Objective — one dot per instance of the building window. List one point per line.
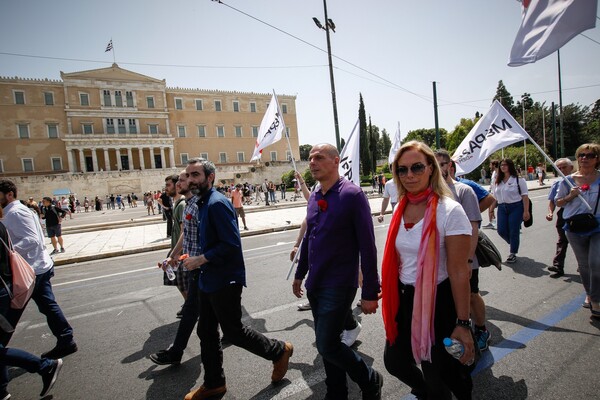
(181, 130)
(110, 125)
(184, 158)
(199, 105)
(23, 130)
(132, 126)
(201, 130)
(255, 131)
(252, 106)
(150, 101)
(84, 99)
(88, 129)
(217, 105)
(1, 166)
(284, 108)
(52, 131)
(19, 97)
(273, 156)
(236, 106)
(121, 125)
(49, 98)
(178, 104)
(107, 99)
(27, 164)
(287, 131)
(56, 163)
(153, 129)
(240, 156)
(204, 156)
(220, 131)
(288, 155)
(238, 131)
(118, 98)
(222, 158)
(129, 99)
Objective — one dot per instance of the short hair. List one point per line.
(207, 166)
(564, 160)
(328, 148)
(495, 163)
(173, 178)
(442, 153)
(48, 199)
(7, 186)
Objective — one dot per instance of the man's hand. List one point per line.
(297, 288)
(369, 306)
(549, 216)
(293, 253)
(192, 263)
(380, 218)
(463, 335)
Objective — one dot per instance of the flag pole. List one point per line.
(560, 108)
(113, 51)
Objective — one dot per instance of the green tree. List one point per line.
(592, 125)
(460, 131)
(385, 144)
(373, 139)
(427, 136)
(365, 152)
(305, 151)
(504, 97)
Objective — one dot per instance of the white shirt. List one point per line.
(391, 191)
(508, 192)
(451, 221)
(27, 236)
(493, 182)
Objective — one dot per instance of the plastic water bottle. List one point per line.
(455, 348)
(169, 271)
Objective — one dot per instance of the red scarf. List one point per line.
(422, 326)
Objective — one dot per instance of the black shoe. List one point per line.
(49, 378)
(557, 274)
(164, 357)
(554, 268)
(4, 395)
(60, 351)
(374, 392)
(180, 313)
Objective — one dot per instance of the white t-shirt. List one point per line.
(391, 191)
(508, 192)
(451, 221)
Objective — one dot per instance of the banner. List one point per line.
(547, 25)
(350, 157)
(395, 146)
(270, 128)
(495, 130)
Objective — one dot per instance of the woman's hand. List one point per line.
(463, 335)
(526, 215)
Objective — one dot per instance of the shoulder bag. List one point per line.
(23, 278)
(486, 252)
(529, 222)
(585, 222)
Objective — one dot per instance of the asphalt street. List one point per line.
(543, 344)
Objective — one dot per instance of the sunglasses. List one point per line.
(416, 169)
(587, 155)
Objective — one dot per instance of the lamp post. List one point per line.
(330, 25)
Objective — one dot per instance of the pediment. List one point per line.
(112, 73)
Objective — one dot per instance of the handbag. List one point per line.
(486, 252)
(529, 222)
(23, 278)
(585, 222)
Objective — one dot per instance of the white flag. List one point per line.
(495, 130)
(395, 145)
(109, 46)
(270, 128)
(547, 25)
(350, 157)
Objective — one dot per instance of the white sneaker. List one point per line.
(349, 337)
(304, 306)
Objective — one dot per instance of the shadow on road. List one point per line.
(172, 382)
(487, 386)
(160, 338)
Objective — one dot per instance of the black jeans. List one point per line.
(168, 214)
(563, 243)
(189, 316)
(224, 308)
(442, 376)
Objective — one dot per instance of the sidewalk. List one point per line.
(124, 235)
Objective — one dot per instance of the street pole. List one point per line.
(435, 114)
(333, 100)
(554, 131)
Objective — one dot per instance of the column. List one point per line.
(106, 160)
(171, 157)
(141, 151)
(94, 159)
(162, 157)
(81, 160)
(119, 165)
(130, 156)
(71, 161)
(152, 161)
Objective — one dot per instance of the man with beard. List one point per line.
(221, 279)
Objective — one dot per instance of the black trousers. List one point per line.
(444, 375)
(563, 243)
(224, 308)
(189, 316)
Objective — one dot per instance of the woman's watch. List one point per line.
(465, 323)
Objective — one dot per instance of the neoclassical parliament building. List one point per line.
(108, 120)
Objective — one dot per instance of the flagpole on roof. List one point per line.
(114, 52)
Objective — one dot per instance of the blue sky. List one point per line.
(463, 45)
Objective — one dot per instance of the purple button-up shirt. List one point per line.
(334, 239)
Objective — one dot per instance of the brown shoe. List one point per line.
(280, 366)
(204, 393)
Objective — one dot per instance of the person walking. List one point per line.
(236, 198)
(53, 217)
(220, 282)
(425, 288)
(339, 232)
(265, 189)
(166, 201)
(585, 243)
(390, 195)
(513, 206)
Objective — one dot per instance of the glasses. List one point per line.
(587, 155)
(416, 169)
(503, 165)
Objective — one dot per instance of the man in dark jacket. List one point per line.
(53, 216)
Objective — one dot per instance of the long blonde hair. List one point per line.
(436, 180)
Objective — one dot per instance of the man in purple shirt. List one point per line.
(339, 230)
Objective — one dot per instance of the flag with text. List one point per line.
(350, 157)
(270, 128)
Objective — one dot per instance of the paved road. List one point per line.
(543, 344)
